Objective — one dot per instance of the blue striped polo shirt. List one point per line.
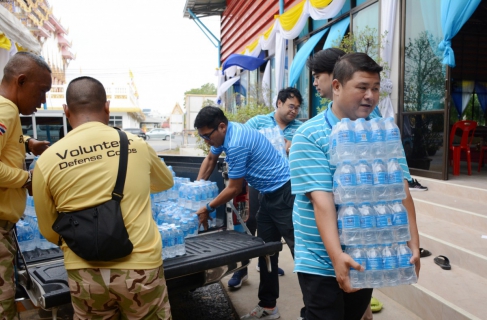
(311, 171)
(269, 121)
(251, 156)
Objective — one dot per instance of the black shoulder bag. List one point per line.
(99, 233)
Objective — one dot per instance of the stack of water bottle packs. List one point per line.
(174, 211)
(28, 233)
(368, 186)
(275, 137)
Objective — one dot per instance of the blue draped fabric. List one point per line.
(456, 95)
(454, 14)
(302, 55)
(337, 32)
(243, 61)
(481, 90)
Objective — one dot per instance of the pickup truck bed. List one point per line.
(208, 258)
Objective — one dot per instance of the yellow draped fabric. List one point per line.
(289, 18)
(5, 42)
(268, 32)
(20, 48)
(252, 46)
(320, 3)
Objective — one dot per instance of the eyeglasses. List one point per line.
(294, 108)
(207, 136)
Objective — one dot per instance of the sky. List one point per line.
(168, 54)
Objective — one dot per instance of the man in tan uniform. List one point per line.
(79, 172)
(23, 89)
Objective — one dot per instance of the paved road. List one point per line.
(173, 143)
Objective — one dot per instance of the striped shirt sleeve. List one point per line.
(310, 169)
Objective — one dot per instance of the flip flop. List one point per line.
(443, 262)
(424, 253)
(375, 305)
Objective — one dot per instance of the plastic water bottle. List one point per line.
(389, 259)
(189, 197)
(407, 273)
(385, 231)
(171, 244)
(378, 138)
(345, 182)
(196, 222)
(196, 198)
(380, 190)
(373, 272)
(357, 278)
(33, 163)
(395, 179)
(350, 218)
(368, 223)
(333, 145)
(215, 190)
(365, 181)
(400, 221)
(203, 196)
(25, 236)
(363, 143)
(178, 241)
(185, 227)
(393, 138)
(345, 140)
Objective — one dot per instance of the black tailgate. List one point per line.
(217, 249)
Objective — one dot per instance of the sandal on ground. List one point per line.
(375, 305)
(424, 253)
(443, 262)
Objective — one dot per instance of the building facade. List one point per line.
(435, 71)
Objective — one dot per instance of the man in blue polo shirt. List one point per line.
(288, 104)
(320, 261)
(252, 157)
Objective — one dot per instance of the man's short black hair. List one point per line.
(324, 61)
(353, 62)
(289, 93)
(210, 117)
(20, 64)
(86, 93)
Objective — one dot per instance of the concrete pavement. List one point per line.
(291, 299)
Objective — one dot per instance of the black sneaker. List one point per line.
(416, 186)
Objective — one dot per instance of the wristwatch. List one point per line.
(210, 209)
(27, 149)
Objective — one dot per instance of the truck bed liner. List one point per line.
(205, 252)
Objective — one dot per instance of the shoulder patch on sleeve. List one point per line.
(3, 129)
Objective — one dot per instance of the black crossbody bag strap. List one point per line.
(117, 193)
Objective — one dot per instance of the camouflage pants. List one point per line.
(8, 308)
(119, 294)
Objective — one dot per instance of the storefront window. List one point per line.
(424, 78)
(346, 8)
(316, 24)
(305, 30)
(366, 30)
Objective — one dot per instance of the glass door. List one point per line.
(424, 102)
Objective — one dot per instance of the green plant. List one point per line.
(367, 41)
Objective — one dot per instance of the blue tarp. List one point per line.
(243, 61)
(302, 55)
(336, 33)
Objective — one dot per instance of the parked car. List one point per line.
(136, 131)
(159, 133)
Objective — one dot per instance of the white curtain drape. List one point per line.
(5, 55)
(266, 84)
(388, 20)
(327, 12)
(224, 87)
(16, 31)
(280, 61)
